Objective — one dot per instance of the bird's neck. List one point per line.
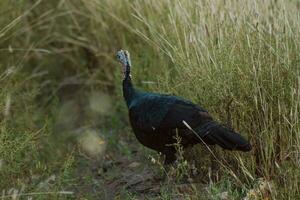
(128, 90)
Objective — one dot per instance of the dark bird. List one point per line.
(156, 119)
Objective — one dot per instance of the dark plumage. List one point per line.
(156, 118)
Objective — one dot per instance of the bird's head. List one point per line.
(123, 57)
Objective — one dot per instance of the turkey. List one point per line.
(156, 119)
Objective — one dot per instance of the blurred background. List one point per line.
(64, 131)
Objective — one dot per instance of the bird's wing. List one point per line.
(184, 111)
(155, 111)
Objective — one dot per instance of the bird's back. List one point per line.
(152, 111)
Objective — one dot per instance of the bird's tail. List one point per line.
(214, 133)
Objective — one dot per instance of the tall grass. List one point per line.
(221, 51)
(235, 58)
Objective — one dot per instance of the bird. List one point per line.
(157, 119)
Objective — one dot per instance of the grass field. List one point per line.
(64, 131)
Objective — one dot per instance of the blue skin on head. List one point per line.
(123, 57)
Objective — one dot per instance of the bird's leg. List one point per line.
(214, 166)
(170, 158)
(169, 164)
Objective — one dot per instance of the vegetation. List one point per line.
(61, 98)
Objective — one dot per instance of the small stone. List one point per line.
(223, 195)
(92, 144)
(134, 164)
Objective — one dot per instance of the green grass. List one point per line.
(58, 56)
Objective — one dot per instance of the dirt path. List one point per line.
(129, 178)
(118, 178)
